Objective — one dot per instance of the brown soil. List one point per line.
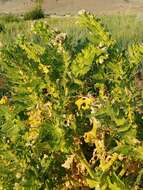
(61, 7)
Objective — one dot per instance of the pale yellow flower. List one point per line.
(3, 100)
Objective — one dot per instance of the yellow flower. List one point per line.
(89, 137)
(84, 103)
(32, 134)
(29, 89)
(44, 68)
(35, 118)
(3, 100)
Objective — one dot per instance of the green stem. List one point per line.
(86, 164)
(139, 177)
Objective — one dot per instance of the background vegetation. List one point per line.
(124, 28)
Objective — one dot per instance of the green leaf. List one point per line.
(83, 61)
(113, 186)
(92, 183)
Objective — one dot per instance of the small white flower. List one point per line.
(28, 144)
(16, 186)
(60, 38)
(23, 179)
(101, 44)
(68, 162)
(18, 175)
(81, 12)
(45, 156)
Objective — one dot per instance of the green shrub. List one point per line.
(2, 27)
(36, 13)
(72, 121)
(9, 18)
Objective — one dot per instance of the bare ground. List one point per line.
(61, 7)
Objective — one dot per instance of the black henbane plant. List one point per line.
(71, 121)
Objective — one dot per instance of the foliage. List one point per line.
(126, 28)
(6, 18)
(71, 121)
(36, 13)
(2, 28)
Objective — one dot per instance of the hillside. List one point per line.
(72, 6)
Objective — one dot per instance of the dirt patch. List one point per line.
(73, 6)
(15, 6)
